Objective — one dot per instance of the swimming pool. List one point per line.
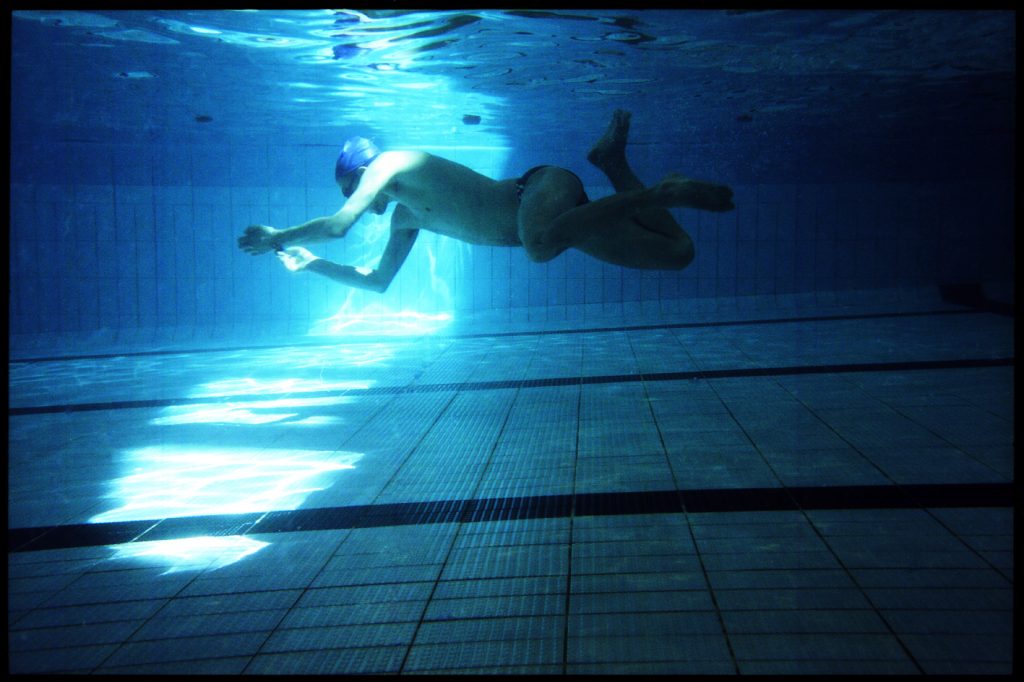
(795, 455)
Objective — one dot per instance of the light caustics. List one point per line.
(379, 60)
(250, 387)
(379, 319)
(369, 68)
(419, 300)
(169, 481)
(172, 481)
(251, 408)
(303, 386)
(178, 480)
(191, 554)
(250, 412)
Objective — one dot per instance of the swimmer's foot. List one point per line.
(611, 148)
(677, 191)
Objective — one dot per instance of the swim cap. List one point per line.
(356, 152)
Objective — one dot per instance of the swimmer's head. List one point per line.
(356, 153)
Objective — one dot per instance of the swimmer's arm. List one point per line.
(374, 180)
(400, 243)
(375, 280)
(298, 259)
(346, 274)
(316, 230)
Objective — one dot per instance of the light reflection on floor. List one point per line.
(167, 481)
(248, 386)
(179, 480)
(381, 321)
(173, 481)
(250, 412)
(190, 554)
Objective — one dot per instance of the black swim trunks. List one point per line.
(521, 184)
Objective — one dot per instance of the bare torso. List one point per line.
(453, 200)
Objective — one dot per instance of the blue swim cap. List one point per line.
(356, 152)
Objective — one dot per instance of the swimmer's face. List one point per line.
(350, 182)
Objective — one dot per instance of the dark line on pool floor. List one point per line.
(709, 375)
(478, 335)
(516, 508)
(728, 323)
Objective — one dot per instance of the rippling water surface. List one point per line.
(521, 73)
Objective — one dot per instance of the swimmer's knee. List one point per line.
(539, 251)
(542, 243)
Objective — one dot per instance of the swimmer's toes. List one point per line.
(719, 198)
(612, 145)
(724, 199)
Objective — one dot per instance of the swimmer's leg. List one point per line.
(630, 228)
(609, 155)
(612, 228)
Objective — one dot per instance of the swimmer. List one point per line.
(545, 211)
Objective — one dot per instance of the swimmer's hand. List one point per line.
(296, 258)
(258, 239)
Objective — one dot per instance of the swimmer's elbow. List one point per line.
(380, 284)
(338, 224)
(371, 281)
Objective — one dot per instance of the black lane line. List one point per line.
(512, 508)
(482, 335)
(724, 323)
(964, 363)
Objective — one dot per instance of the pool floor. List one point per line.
(813, 490)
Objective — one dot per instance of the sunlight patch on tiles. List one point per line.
(250, 386)
(190, 554)
(254, 412)
(188, 480)
(381, 321)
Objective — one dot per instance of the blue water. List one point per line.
(794, 456)
(144, 142)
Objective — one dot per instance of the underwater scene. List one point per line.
(511, 341)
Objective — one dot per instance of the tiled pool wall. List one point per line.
(128, 237)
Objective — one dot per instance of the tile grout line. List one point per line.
(573, 510)
(120, 646)
(922, 505)
(347, 535)
(459, 523)
(863, 592)
(712, 500)
(707, 375)
(689, 521)
(572, 515)
(359, 340)
(821, 537)
(383, 487)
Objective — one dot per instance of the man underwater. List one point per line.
(546, 211)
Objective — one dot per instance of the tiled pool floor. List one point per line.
(827, 493)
